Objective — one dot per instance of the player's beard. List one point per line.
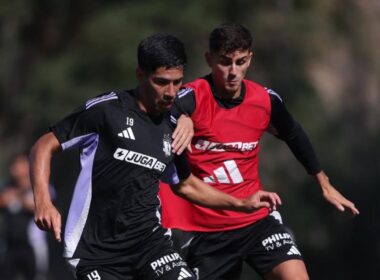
(231, 89)
(164, 105)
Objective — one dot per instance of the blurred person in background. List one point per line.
(25, 246)
(230, 114)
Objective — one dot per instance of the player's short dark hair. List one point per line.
(160, 50)
(229, 38)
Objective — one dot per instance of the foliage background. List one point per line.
(322, 57)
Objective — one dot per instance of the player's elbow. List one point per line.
(180, 189)
(47, 143)
(183, 189)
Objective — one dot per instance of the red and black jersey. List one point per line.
(225, 155)
(225, 148)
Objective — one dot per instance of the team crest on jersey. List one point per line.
(167, 145)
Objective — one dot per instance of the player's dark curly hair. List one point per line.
(160, 50)
(229, 38)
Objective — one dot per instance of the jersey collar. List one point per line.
(226, 103)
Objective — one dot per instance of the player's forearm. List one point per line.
(40, 161)
(198, 192)
(301, 147)
(322, 179)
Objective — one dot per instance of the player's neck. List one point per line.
(223, 93)
(143, 101)
(220, 90)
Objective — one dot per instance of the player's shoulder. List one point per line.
(196, 85)
(101, 100)
(254, 86)
(96, 104)
(274, 96)
(185, 91)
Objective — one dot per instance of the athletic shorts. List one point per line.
(220, 255)
(153, 260)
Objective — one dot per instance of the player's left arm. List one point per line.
(286, 128)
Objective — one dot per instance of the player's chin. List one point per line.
(232, 90)
(165, 107)
(232, 86)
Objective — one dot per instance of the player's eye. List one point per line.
(161, 82)
(225, 62)
(177, 82)
(241, 61)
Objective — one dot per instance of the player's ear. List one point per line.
(139, 73)
(250, 56)
(208, 57)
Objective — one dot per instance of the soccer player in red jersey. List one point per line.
(230, 114)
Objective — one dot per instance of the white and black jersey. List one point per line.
(123, 154)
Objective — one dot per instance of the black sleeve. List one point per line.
(177, 170)
(86, 121)
(182, 166)
(75, 125)
(290, 131)
(184, 103)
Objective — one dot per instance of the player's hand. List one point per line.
(48, 218)
(338, 200)
(261, 199)
(333, 196)
(183, 134)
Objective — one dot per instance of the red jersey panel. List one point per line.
(224, 154)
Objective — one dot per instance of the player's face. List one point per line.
(228, 71)
(160, 88)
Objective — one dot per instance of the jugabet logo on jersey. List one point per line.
(139, 159)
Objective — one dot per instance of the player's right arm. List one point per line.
(200, 193)
(181, 111)
(78, 129)
(46, 215)
(191, 188)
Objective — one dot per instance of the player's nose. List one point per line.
(171, 90)
(233, 69)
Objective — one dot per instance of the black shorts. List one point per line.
(153, 260)
(220, 255)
